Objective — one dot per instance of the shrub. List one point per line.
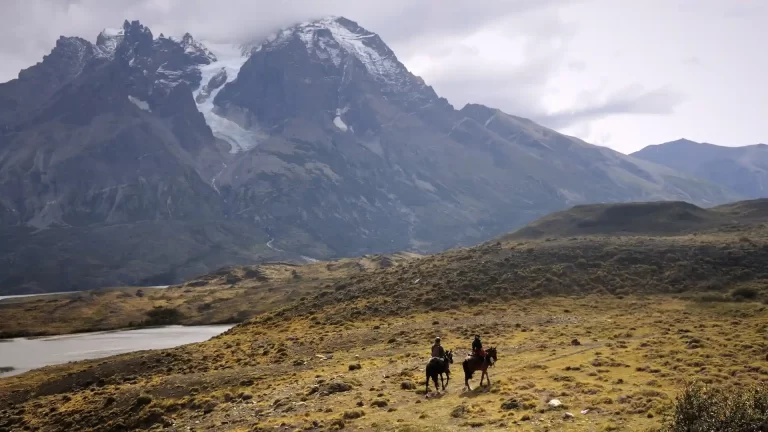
(163, 316)
(712, 298)
(748, 293)
(351, 415)
(700, 408)
(381, 403)
(143, 400)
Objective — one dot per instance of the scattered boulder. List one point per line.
(355, 366)
(567, 416)
(575, 342)
(554, 403)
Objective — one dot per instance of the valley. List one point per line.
(310, 194)
(612, 326)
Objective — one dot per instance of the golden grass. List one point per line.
(231, 295)
(632, 357)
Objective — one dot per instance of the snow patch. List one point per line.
(231, 59)
(269, 245)
(143, 105)
(213, 180)
(457, 124)
(425, 186)
(107, 42)
(360, 43)
(340, 124)
(195, 48)
(112, 32)
(487, 122)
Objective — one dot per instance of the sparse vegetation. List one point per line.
(702, 408)
(609, 338)
(209, 299)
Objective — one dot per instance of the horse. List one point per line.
(473, 363)
(439, 366)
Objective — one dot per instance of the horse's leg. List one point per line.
(426, 391)
(441, 380)
(488, 378)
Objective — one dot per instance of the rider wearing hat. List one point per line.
(437, 349)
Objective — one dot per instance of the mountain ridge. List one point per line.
(318, 138)
(743, 169)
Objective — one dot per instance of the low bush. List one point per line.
(747, 293)
(700, 408)
(163, 316)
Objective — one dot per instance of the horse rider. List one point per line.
(437, 349)
(477, 347)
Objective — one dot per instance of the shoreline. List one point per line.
(29, 296)
(36, 353)
(12, 336)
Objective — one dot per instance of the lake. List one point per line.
(24, 354)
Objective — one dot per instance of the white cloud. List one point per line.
(625, 74)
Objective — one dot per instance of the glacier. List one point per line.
(231, 58)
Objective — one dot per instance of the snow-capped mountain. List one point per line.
(142, 159)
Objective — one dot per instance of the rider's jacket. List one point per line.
(438, 351)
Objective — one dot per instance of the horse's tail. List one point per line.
(468, 371)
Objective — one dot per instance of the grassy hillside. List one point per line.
(619, 361)
(229, 295)
(649, 218)
(611, 326)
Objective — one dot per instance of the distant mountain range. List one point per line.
(147, 160)
(741, 169)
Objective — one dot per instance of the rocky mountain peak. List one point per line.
(319, 141)
(108, 40)
(196, 50)
(338, 41)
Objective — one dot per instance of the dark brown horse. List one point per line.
(474, 363)
(439, 366)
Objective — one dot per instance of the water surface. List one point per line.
(24, 354)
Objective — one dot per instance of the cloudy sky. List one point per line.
(620, 73)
